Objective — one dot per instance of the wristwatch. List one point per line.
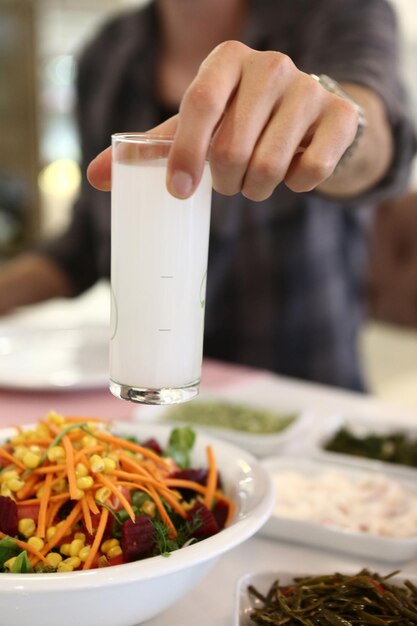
(333, 86)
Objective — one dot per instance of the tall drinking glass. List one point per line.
(159, 247)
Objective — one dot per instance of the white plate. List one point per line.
(285, 441)
(262, 581)
(362, 427)
(53, 359)
(331, 537)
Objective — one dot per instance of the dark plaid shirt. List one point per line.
(285, 275)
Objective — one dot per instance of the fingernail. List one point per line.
(181, 184)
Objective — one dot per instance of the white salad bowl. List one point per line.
(129, 594)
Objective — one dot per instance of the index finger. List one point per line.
(201, 110)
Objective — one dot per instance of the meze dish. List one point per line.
(336, 599)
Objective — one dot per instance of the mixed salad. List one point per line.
(75, 496)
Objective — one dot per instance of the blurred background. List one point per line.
(40, 176)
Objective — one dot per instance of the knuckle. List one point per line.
(231, 47)
(317, 168)
(279, 65)
(226, 155)
(201, 98)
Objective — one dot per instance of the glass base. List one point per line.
(166, 395)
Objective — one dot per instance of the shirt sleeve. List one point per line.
(362, 45)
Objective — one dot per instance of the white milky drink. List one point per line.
(159, 247)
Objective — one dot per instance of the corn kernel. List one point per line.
(58, 526)
(115, 551)
(80, 536)
(64, 567)
(35, 449)
(56, 453)
(39, 492)
(54, 559)
(108, 544)
(26, 527)
(75, 547)
(50, 532)
(109, 465)
(15, 484)
(42, 430)
(74, 561)
(8, 475)
(81, 470)
(88, 441)
(31, 460)
(60, 486)
(5, 491)
(20, 451)
(36, 542)
(149, 508)
(96, 463)
(102, 494)
(115, 456)
(54, 418)
(86, 482)
(65, 549)
(9, 563)
(18, 439)
(79, 494)
(83, 553)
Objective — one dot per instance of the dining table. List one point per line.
(213, 600)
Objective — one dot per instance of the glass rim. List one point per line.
(143, 138)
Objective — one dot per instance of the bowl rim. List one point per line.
(147, 569)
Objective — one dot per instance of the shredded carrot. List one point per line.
(12, 459)
(26, 546)
(49, 469)
(68, 523)
(134, 447)
(56, 498)
(211, 478)
(28, 487)
(92, 503)
(108, 483)
(53, 510)
(72, 479)
(87, 515)
(97, 539)
(41, 529)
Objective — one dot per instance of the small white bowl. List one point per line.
(126, 595)
(330, 537)
(287, 440)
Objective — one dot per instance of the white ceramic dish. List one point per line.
(129, 594)
(54, 359)
(263, 580)
(361, 427)
(260, 445)
(331, 537)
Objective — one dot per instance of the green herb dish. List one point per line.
(260, 428)
(231, 416)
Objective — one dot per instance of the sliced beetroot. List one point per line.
(138, 538)
(8, 516)
(202, 521)
(196, 475)
(220, 512)
(152, 444)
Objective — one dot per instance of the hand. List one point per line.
(259, 119)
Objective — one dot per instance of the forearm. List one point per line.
(29, 279)
(371, 158)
